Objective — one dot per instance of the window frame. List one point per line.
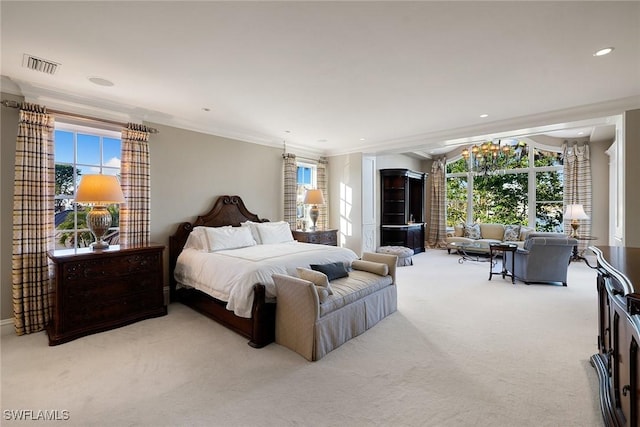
(532, 170)
(302, 216)
(75, 209)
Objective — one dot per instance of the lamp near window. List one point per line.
(99, 191)
(314, 198)
(574, 213)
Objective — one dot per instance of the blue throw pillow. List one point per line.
(334, 270)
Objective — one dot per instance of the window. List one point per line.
(307, 179)
(82, 150)
(517, 193)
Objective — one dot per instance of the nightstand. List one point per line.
(98, 290)
(320, 237)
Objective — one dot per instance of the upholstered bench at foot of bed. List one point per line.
(359, 301)
(404, 254)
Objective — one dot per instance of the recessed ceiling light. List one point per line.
(485, 115)
(100, 81)
(322, 141)
(602, 52)
(361, 139)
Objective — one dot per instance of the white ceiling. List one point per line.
(333, 77)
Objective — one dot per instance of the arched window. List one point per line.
(525, 187)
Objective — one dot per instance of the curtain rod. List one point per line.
(15, 104)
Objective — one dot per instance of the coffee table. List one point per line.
(463, 249)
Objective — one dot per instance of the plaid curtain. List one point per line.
(321, 169)
(290, 189)
(437, 202)
(33, 220)
(134, 170)
(577, 186)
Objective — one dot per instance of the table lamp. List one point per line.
(99, 191)
(574, 213)
(314, 198)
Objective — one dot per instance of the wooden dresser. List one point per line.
(618, 359)
(97, 290)
(320, 237)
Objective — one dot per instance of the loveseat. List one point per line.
(312, 322)
(487, 233)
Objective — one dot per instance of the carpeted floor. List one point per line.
(460, 351)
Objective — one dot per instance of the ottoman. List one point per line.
(404, 254)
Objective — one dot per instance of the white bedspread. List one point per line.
(229, 275)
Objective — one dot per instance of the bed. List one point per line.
(234, 286)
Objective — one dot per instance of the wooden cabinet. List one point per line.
(97, 290)
(320, 237)
(618, 359)
(402, 208)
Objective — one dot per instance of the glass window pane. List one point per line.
(89, 149)
(547, 158)
(501, 199)
(63, 142)
(549, 195)
(549, 217)
(459, 165)
(456, 201)
(111, 152)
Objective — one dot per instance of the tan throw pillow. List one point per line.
(317, 278)
(511, 233)
(372, 267)
(472, 231)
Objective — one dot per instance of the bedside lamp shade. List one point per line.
(314, 198)
(574, 213)
(99, 191)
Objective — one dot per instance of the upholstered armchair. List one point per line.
(544, 258)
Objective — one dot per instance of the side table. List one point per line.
(494, 249)
(575, 255)
(319, 237)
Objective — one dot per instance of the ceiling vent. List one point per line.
(39, 64)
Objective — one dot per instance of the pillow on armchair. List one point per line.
(472, 231)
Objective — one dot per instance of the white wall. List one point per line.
(345, 209)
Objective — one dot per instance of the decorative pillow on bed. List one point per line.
(472, 231)
(317, 278)
(221, 238)
(333, 270)
(274, 232)
(511, 233)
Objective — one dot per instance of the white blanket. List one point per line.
(229, 275)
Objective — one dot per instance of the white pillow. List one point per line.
(254, 230)
(197, 240)
(274, 232)
(221, 238)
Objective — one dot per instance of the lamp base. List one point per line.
(574, 226)
(314, 213)
(98, 222)
(99, 245)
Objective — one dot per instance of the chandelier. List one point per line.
(489, 157)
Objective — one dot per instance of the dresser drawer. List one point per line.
(80, 272)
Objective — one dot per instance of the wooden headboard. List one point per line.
(227, 210)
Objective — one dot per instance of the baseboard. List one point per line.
(6, 322)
